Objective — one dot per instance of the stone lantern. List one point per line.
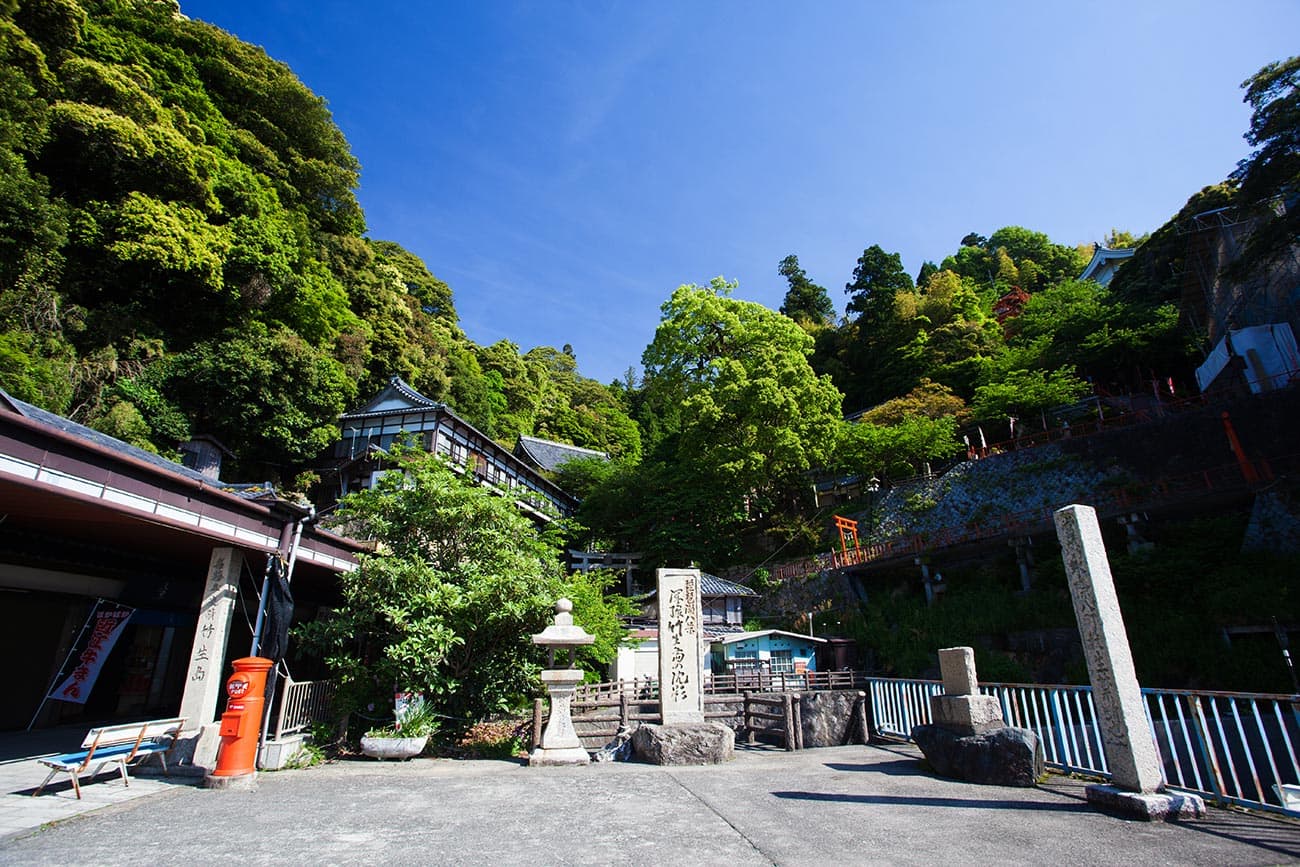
(560, 744)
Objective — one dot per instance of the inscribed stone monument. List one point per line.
(681, 693)
(1126, 739)
(207, 656)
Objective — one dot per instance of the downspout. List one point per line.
(290, 557)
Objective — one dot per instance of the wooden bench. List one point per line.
(117, 745)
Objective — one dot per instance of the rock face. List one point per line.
(829, 718)
(1003, 757)
(692, 744)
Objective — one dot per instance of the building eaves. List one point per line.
(104, 441)
(549, 455)
(712, 585)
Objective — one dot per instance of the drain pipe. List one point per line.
(291, 557)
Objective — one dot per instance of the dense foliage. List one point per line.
(181, 252)
(448, 604)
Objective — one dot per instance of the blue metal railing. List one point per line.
(1231, 747)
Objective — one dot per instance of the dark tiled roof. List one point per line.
(712, 585)
(549, 455)
(402, 387)
(105, 441)
(398, 386)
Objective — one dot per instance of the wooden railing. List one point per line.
(777, 681)
(647, 688)
(772, 714)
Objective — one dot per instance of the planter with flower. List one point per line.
(406, 737)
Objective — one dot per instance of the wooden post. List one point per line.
(797, 704)
(622, 710)
(537, 723)
(787, 709)
(750, 733)
(862, 718)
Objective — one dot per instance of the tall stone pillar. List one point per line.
(681, 668)
(204, 678)
(1126, 738)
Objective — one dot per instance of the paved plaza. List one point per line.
(842, 805)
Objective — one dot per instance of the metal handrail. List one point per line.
(303, 703)
(1231, 747)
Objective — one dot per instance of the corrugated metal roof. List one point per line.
(744, 636)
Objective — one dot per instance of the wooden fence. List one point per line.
(598, 720)
(647, 688)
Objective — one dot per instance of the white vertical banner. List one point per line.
(104, 628)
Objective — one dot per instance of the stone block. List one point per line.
(194, 754)
(275, 755)
(830, 717)
(1147, 806)
(957, 666)
(692, 744)
(1005, 757)
(966, 714)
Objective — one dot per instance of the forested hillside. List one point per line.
(182, 252)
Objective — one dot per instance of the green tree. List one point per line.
(805, 301)
(1271, 174)
(449, 602)
(897, 450)
(266, 393)
(877, 279)
(753, 417)
(1025, 393)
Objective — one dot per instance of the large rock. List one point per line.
(829, 717)
(1004, 757)
(689, 744)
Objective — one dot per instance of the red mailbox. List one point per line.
(242, 722)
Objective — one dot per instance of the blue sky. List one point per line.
(564, 166)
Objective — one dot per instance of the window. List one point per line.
(783, 662)
(744, 660)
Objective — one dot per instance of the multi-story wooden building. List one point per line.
(399, 413)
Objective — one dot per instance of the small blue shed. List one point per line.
(769, 651)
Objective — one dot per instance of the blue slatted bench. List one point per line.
(119, 745)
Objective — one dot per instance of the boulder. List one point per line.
(829, 717)
(688, 744)
(1007, 756)
(617, 750)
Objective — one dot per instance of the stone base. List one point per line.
(194, 754)
(966, 714)
(541, 757)
(276, 754)
(241, 783)
(1005, 757)
(1149, 807)
(697, 744)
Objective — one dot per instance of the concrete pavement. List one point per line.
(842, 805)
(21, 773)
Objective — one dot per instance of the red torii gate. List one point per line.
(848, 534)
